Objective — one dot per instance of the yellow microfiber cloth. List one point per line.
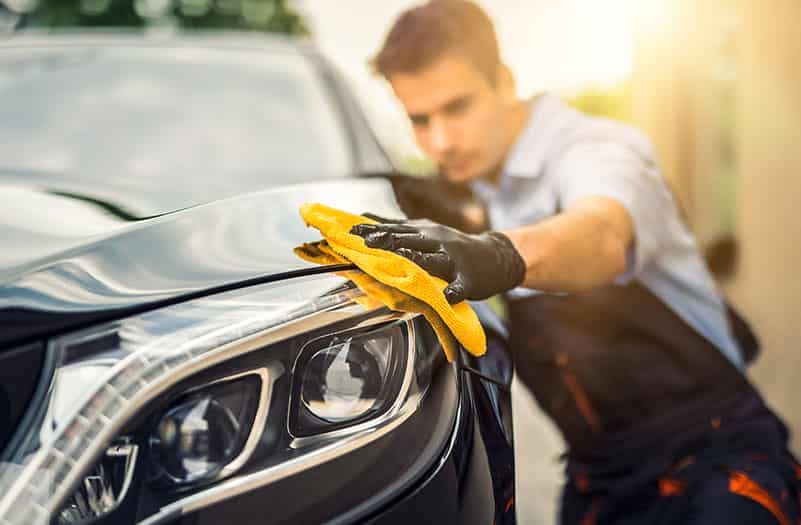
(378, 294)
(407, 287)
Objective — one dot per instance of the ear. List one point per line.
(505, 85)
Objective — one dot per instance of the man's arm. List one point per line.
(611, 197)
(584, 247)
(579, 249)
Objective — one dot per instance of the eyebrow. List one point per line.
(457, 103)
(451, 105)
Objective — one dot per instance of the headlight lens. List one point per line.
(342, 382)
(346, 379)
(277, 372)
(203, 432)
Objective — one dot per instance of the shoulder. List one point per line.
(579, 135)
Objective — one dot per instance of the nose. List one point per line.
(440, 137)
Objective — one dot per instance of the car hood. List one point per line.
(66, 258)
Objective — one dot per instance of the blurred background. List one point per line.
(715, 84)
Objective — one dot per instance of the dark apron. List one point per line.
(633, 387)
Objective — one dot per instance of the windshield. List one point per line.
(183, 125)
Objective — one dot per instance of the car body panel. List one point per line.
(176, 254)
(82, 252)
(474, 480)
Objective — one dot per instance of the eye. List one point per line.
(419, 121)
(458, 106)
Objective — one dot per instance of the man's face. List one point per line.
(457, 116)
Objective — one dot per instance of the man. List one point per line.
(616, 324)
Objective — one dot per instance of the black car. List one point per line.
(164, 356)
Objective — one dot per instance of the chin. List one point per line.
(460, 175)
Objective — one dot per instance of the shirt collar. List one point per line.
(528, 154)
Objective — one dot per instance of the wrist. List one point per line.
(510, 259)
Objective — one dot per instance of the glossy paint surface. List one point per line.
(474, 481)
(191, 250)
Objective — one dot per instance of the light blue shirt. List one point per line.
(562, 156)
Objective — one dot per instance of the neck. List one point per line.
(514, 122)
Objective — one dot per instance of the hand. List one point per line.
(439, 200)
(475, 266)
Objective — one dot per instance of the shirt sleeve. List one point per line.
(612, 169)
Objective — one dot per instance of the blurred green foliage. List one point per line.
(416, 164)
(612, 102)
(262, 15)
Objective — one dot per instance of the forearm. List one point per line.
(579, 249)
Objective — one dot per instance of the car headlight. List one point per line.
(175, 400)
(203, 432)
(347, 379)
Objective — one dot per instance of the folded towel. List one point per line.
(407, 287)
(378, 294)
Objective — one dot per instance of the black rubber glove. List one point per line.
(475, 266)
(435, 198)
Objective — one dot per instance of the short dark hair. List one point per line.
(425, 33)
